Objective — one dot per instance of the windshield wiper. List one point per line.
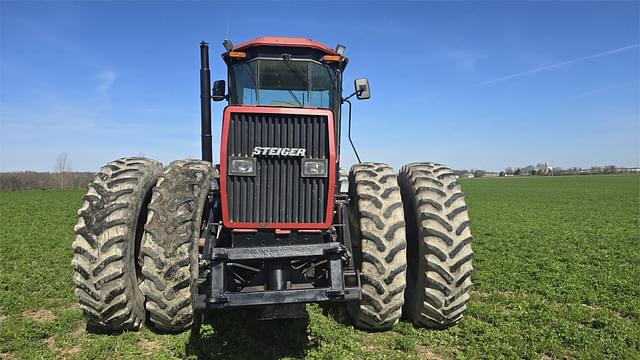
(287, 60)
(295, 98)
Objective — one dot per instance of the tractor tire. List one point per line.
(170, 243)
(377, 223)
(108, 233)
(439, 243)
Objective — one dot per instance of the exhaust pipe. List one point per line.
(205, 103)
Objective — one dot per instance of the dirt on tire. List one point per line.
(377, 220)
(439, 245)
(108, 232)
(170, 243)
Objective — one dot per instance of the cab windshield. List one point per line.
(288, 83)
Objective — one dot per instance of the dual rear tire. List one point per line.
(412, 245)
(136, 238)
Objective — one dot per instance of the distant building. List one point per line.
(628, 170)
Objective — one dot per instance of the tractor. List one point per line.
(277, 222)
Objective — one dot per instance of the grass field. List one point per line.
(557, 274)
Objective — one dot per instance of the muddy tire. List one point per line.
(439, 245)
(377, 219)
(110, 222)
(170, 243)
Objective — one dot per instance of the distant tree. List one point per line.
(517, 172)
(478, 173)
(533, 171)
(609, 169)
(539, 166)
(502, 173)
(63, 165)
(508, 170)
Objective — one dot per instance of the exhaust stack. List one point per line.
(205, 103)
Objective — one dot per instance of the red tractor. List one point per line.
(274, 223)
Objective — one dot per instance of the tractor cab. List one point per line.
(285, 72)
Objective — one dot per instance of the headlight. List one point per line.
(314, 168)
(242, 167)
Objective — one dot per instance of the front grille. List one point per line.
(277, 193)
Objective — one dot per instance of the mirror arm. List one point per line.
(346, 100)
(352, 95)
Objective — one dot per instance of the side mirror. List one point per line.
(219, 88)
(362, 89)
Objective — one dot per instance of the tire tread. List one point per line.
(105, 284)
(380, 224)
(441, 272)
(169, 243)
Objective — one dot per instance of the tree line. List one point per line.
(546, 170)
(32, 180)
(541, 169)
(62, 178)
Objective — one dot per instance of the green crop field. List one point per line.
(557, 274)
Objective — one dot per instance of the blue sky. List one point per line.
(469, 84)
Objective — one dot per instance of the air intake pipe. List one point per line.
(205, 103)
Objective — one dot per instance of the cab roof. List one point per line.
(282, 41)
